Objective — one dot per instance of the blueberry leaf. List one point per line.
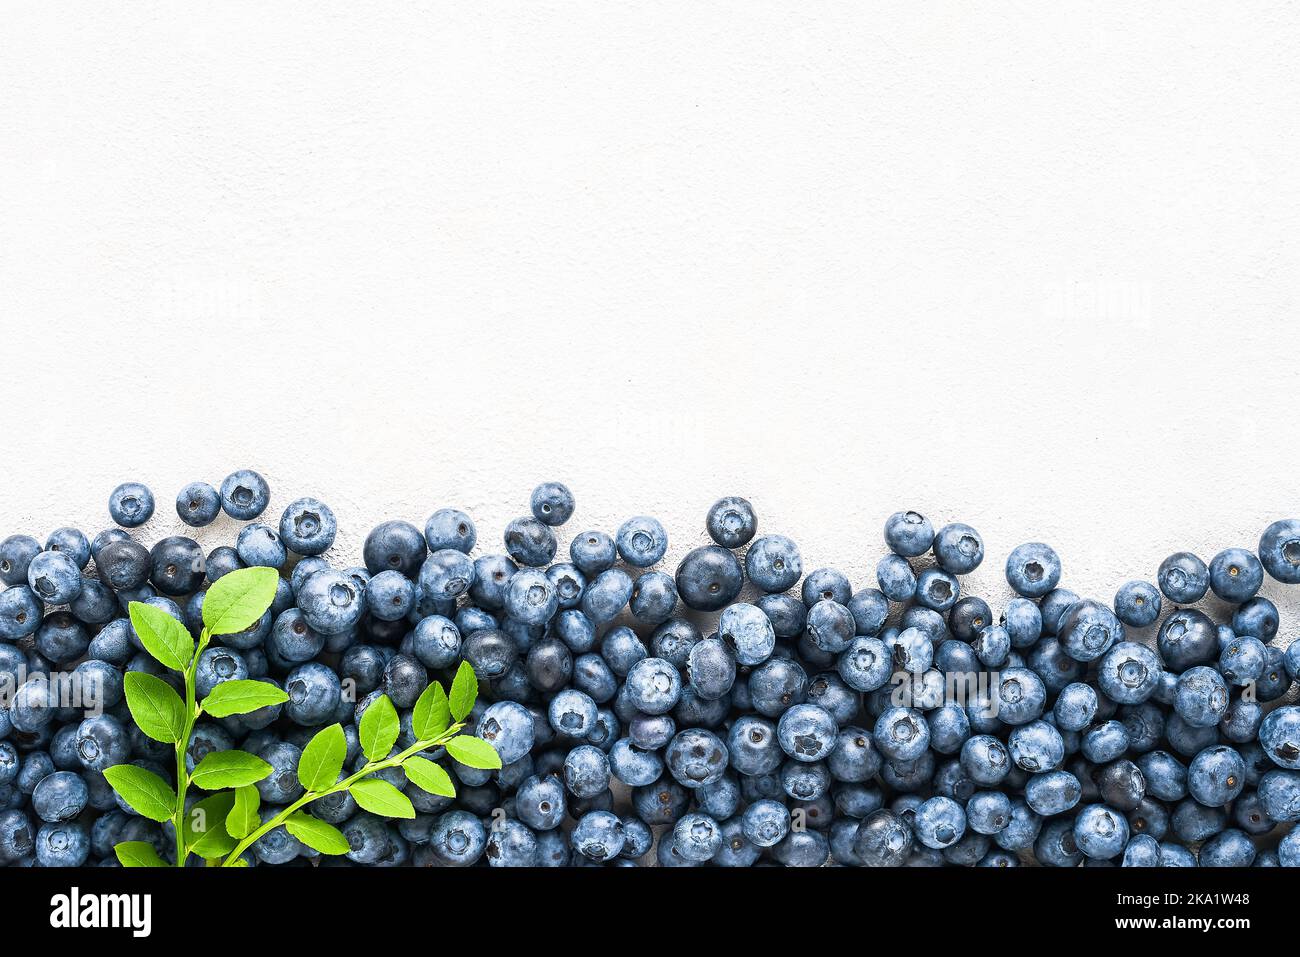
(432, 713)
(146, 793)
(205, 826)
(379, 797)
(427, 776)
(243, 818)
(229, 769)
(379, 728)
(322, 759)
(155, 707)
(238, 599)
(464, 691)
(138, 854)
(242, 696)
(317, 834)
(473, 752)
(162, 635)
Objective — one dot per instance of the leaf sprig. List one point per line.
(221, 827)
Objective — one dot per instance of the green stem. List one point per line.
(182, 746)
(370, 768)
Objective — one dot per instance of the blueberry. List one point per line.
(1256, 618)
(176, 565)
(1033, 569)
(896, 579)
(709, 578)
(54, 577)
(457, 839)
(936, 589)
(807, 732)
(313, 691)
(552, 503)
(394, 545)
(102, 742)
(1183, 578)
(586, 771)
(20, 613)
(16, 554)
(1053, 792)
(1036, 747)
(1243, 661)
(131, 504)
(940, 822)
(909, 534)
(1279, 734)
(696, 757)
(198, 504)
(1129, 673)
(1279, 550)
(489, 653)
(958, 548)
(901, 733)
(390, 595)
(308, 526)
(1201, 697)
(450, 528)
(1137, 604)
(866, 664)
(244, 495)
(1187, 638)
(992, 646)
(531, 543)
(60, 796)
(1100, 832)
(710, 669)
(773, 563)
(607, 595)
(1088, 629)
(1023, 622)
(1236, 574)
(598, 836)
(1020, 696)
(260, 545)
(593, 552)
(731, 522)
(331, 602)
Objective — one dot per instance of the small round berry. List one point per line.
(1033, 569)
(1279, 550)
(244, 495)
(131, 504)
(1183, 578)
(552, 503)
(198, 504)
(731, 522)
(1137, 604)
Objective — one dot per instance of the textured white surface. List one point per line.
(1028, 266)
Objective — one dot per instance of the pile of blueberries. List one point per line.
(650, 717)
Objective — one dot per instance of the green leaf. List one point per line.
(473, 752)
(237, 599)
(432, 714)
(229, 769)
(146, 793)
(464, 691)
(241, 696)
(205, 826)
(379, 728)
(155, 707)
(322, 759)
(138, 854)
(427, 776)
(243, 818)
(162, 635)
(379, 797)
(317, 834)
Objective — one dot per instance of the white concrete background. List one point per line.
(1029, 266)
